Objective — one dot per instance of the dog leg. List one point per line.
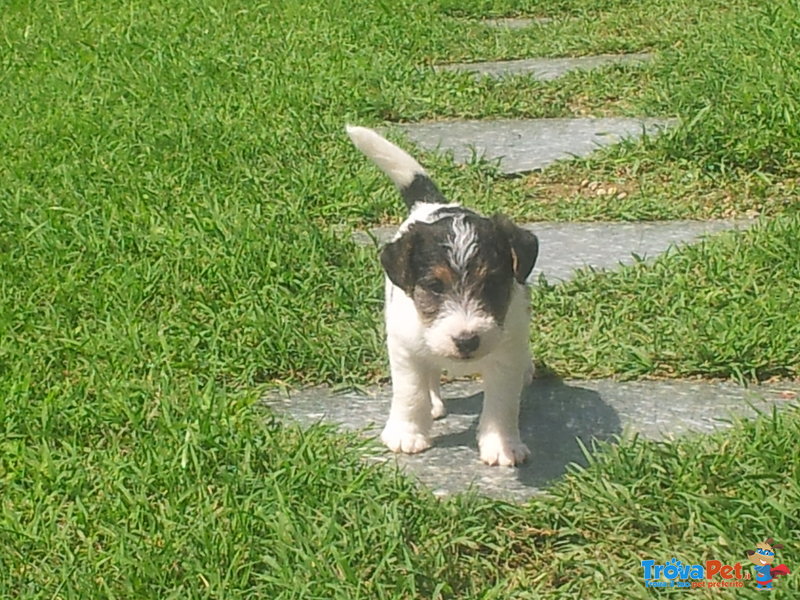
(438, 409)
(409, 424)
(498, 429)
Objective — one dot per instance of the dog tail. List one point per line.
(407, 174)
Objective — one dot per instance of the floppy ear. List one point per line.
(396, 261)
(524, 246)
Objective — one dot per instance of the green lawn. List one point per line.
(176, 201)
(721, 308)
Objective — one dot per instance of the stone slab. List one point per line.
(545, 69)
(554, 415)
(515, 22)
(564, 247)
(522, 145)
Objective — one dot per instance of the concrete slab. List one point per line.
(555, 414)
(528, 144)
(545, 69)
(564, 247)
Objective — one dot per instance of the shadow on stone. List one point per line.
(554, 414)
(553, 417)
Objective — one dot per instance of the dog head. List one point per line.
(460, 270)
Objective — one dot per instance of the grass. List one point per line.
(697, 499)
(176, 196)
(630, 189)
(726, 70)
(720, 308)
(220, 505)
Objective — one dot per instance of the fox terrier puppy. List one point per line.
(456, 300)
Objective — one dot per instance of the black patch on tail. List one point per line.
(422, 189)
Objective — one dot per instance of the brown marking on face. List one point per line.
(427, 304)
(445, 274)
(437, 281)
(420, 263)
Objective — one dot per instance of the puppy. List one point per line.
(455, 300)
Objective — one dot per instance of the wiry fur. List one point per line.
(462, 243)
(455, 301)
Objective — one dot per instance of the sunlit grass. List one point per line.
(176, 197)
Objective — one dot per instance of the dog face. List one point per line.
(459, 269)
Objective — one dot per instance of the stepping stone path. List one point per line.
(525, 145)
(564, 247)
(528, 144)
(545, 69)
(554, 414)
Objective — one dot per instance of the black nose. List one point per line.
(468, 343)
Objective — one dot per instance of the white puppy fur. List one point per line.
(421, 347)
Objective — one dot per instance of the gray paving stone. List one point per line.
(545, 69)
(555, 414)
(564, 247)
(515, 22)
(528, 144)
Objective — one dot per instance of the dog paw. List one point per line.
(438, 409)
(503, 451)
(405, 437)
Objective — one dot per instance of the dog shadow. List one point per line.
(553, 416)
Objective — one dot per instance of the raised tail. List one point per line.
(407, 174)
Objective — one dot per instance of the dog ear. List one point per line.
(396, 261)
(749, 553)
(524, 246)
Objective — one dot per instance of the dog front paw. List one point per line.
(405, 437)
(438, 409)
(503, 451)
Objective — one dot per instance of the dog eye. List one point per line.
(434, 286)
